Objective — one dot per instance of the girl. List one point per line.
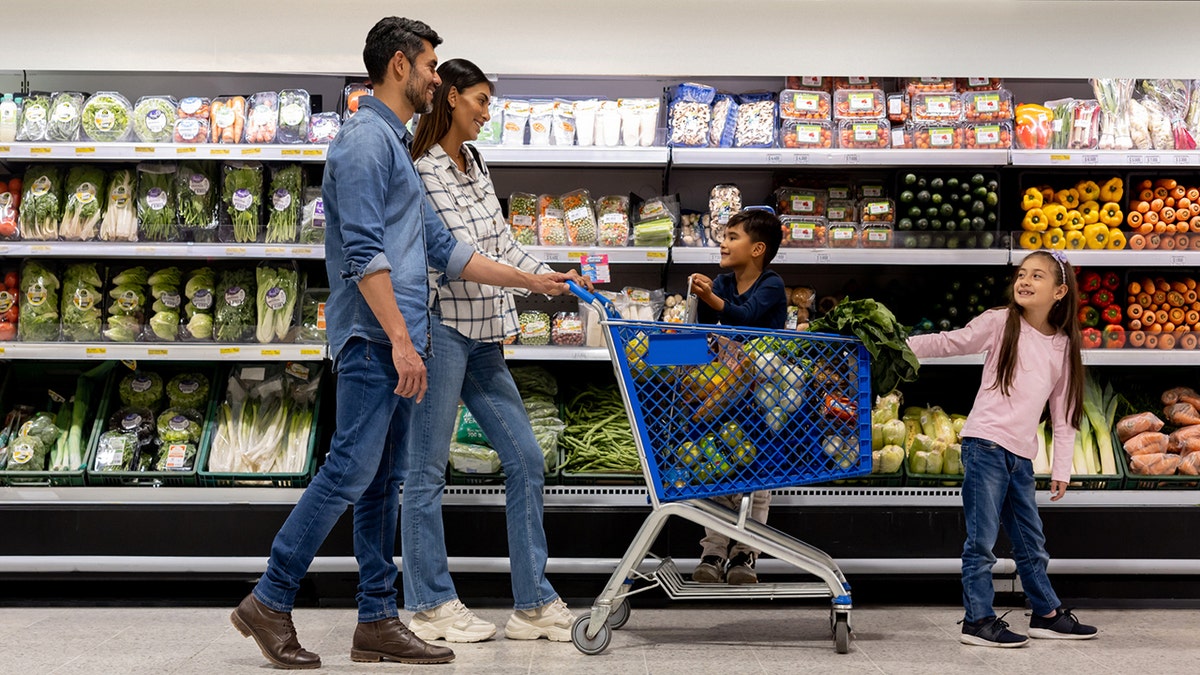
(1032, 348)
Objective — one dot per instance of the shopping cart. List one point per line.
(722, 410)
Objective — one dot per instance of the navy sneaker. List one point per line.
(711, 570)
(990, 632)
(1061, 626)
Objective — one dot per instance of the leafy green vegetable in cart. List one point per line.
(114, 451)
(234, 319)
(122, 329)
(188, 390)
(278, 289)
(142, 389)
(196, 195)
(26, 453)
(82, 301)
(42, 427)
(892, 362)
(179, 425)
(284, 206)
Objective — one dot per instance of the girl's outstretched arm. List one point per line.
(974, 338)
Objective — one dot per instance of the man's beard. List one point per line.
(416, 97)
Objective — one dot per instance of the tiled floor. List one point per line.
(749, 639)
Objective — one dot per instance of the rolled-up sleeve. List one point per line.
(363, 174)
(443, 251)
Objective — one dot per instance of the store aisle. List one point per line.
(676, 640)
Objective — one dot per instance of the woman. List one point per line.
(467, 363)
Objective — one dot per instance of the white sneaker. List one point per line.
(453, 622)
(552, 621)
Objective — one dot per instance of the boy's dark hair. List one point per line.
(760, 226)
(395, 34)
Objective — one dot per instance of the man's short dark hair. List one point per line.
(760, 226)
(395, 34)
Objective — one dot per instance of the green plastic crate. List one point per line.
(895, 479)
(1134, 481)
(602, 478)
(455, 477)
(1107, 481)
(932, 479)
(27, 383)
(112, 402)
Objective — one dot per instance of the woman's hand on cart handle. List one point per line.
(577, 278)
(550, 283)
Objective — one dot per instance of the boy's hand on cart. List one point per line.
(411, 371)
(1058, 490)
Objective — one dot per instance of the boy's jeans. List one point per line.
(998, 488)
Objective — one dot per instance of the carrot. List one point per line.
(1137, 338)
(1134, 288)
(1176, 315)
(1156, 464)
(1169, 202)
(1146, 196)
(1190, 400)
(1150, 217)
(1181, 227)
(1134, 219)
(1161, 316)
(1146, 184)
(1195, 227)
(1167, 329)
(1146, 443)
(1144, 299)
(1192, 317)
(1132, 425)
(1193, 194)
(1190, 295)
(1190, 283)
(1181, 414)
(1167, 214)
(1178, 192)
(1153, 241)
(1179, 287)
(1156, 204)
(1167, 341)
(1172, 395)
(1189, 465)
(1182, 437)
(1171, 230)
(1135, 324)
(1183, 203)
(1134, 311)
(1160, 294)
(1166, 183)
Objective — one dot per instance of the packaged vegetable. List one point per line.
(980, 83)
(40, 208)
(1035, 125)
(295, 107)
(938, 137)
(875, 235)
(278, 292)
(82, 303)
(803, 232)
(1154, 464)
(608, 124)
(987, 135)
(755, 121)
(612, 212)
(85, 193)
(567, 329)
(283, 209)
(648, 114)
(66, 113)
(190, 130)
(188, 390)
(120, 216)
(129, 302)
(541, 118)
(1133, 425)
(579, 216)
(689, 114)
(114, 451)
(584, 113)
(987, 106)
(864, 134)
(10, 117)
(723, 122)
(516, 118)
(200, 293)
(234, 317)
(351, 96)
(179, 425)
(262, 117)
(841, 211)
(1172, 97)
(1085, 125)
(798, 104)
(522, 217)
(800, 201)
(312, 223)
(35, 118)
(631, 120)
(228, 121)
(806, 134)
(859, 104)
(552, 230)
(196, 200)
(106, 117)
(38, 304)
(242, 198)
(312, 315)
(154, 118)
(877, 210)
(166, 289)
(658, 232)
(809, 82)
(1114, 95)
(194, 107)
(856, 82)
(723, 202)
(843, 235)
(535, 328)
(141, 389)
(473, 459)
(27, 453)
(937, 107)
(10, 295)
(156, 201)
(914, 85)
(324, 127)
(640, 304)
(899, 107)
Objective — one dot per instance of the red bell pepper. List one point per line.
(1103, 298)
(1111, 281)
(1090, 282)
(1089, 317)
(1084, 299)
(1091, 338)
(840, 407)
(1114, 337)
(1111, 314)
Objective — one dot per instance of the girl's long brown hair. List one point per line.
(1063, 316)
(460, 74)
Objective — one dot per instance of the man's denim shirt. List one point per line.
(378, 218)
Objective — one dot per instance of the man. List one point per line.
(382, 236)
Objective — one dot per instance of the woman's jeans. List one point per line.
(476, 373)
(998, 489)
(364, 467)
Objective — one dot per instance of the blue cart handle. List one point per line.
(593, 298)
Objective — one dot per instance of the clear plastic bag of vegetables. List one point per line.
(41, 203)
(234, 314)
(27, 453)
(266, 420)
(1114, 95)
(579, 215)
(324, 127)
(262, 117)
(612, 211)
(196, 201)
(295, 107)
(228, 119)
(120, 216)
(278, 292)
(139, 424)
(114, 451)
(241, 198)
(35, 119)
(284, 203)
(188, 390)
(141, 389)
(180, 425)
(107, 117)
(38, 312)
(1173, 97)
(199, 292)
(156, 202)
(82, 303)
(312, 223)
(154, 118)
(312, 315)
(10, 298)
(66, 113)
(522, 217)
(166, 292)
(128, 303)
(85, 196)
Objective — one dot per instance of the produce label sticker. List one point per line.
(85, 193)
(810, 81)
(895, 105)
(841, 233)
(989, 135)
(6, 301)
(941, 137)
(938, 105)
(838, 213)
(866, 132)
(803, 232)
(872, 191)
(176, 456)
(987, 103)
(40, 186)
(858, 79)
(595, 268)
(879, 208)
(839, 193)
(320, 316)
(808, 134)
(36, 295)
(807, 102)
(804, 203)
(878, 235)
(156, 198)
(978, 81)
(862, 101)
(931, 80)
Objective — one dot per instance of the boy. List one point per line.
(751, 296)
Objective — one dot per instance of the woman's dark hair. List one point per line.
(1064, 316)
(460, 74)
(760, 226)
(395, 34)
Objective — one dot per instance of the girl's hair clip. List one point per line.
(1059, 256)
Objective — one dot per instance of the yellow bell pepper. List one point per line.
(1075, 240)
(1096, 236)
(1090, 210)
(1030, 240)
(1088, 191)
(1110, 214)
(1035, 221)
(1112, 191)
(1047, 195)
(1068, 198)
(1054, 238)
(1056, 215)
(1032, 199)
(1074, 221)
(1116, 240)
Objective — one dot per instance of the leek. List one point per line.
(1041, 463)
(1100, 408)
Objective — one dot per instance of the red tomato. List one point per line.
(10, 281)
(14, 186)
(10, 315)
(8, 331)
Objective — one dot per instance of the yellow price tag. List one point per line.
(96, 351)
(508, 353)
(40, 150)
(145, 250)
(143, 150)
(290, 152)
(275, 250)
(251, 151)
(302, 251)
(1, 350)
(219, 151)
(576, 255)
(303, 351)
(270, 352)
(235, 250)
(656, 255)
(314, 152)
(1060, 158)
(40, 248)
(185, 151)
(156, 352)
(226, 351)
(5, 148)
(85, 150)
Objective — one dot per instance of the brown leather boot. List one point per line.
(390, 640)
(274, 633)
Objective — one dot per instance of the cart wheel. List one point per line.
(841, 634)
(595, 645)
(619, 615)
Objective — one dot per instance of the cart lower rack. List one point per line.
(728, 411)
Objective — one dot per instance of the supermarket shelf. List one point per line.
(1140, 357)
(98, 151)
(160, 351)
(585, 496)
(616, 254)
(554, 353)
(969, 360)
(570, 155)
(1124, 258)
(1121, 158)
(835, 157)
(107, 249)
(837, 256)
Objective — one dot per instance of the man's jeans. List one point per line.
(476, 373)
(998, 488)
(365, 467)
